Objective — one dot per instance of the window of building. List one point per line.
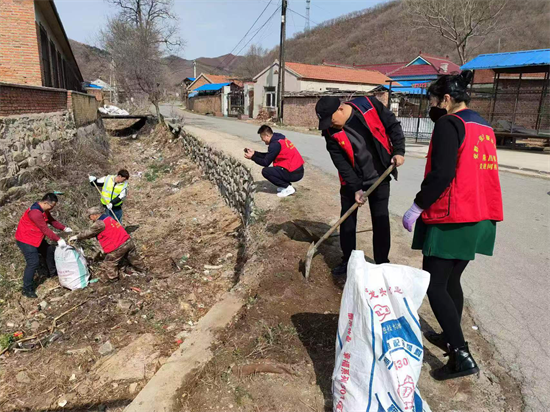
(55, 71)
(45, 56)
(270, 97)
(60, 76)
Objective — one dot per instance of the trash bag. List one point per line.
(72, 268)
(379, 344)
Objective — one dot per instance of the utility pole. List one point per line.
(195, 69)
(281, 86)
(308, 7)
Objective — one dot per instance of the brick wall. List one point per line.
(83, 106)
(97, 93)
(206, 104)
(200, 82)
(18, 99)
(300, 111)
(19, 58)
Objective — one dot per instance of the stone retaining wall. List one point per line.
(28, 142)
(234, 180)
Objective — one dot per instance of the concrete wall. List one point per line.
(234, 180)
(271, 79)
(19, 56)
(318, 86)
(206, 104)
(30, 142)
(83, 106)
(18, 99)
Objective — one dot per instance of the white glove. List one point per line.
(73, 238)
(67, 230)
(92, 178)
(61, 243)
(110, 206)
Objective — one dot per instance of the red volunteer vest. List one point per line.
(289, 157)
(375, 125)
(113, 236)
(474, 194)
(27, 231)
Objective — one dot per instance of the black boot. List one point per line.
(341, 269)
(29, 292)
(437, 339)
(461, 363)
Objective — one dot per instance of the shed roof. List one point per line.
(337, 74)
(523, 58)
(210, 87)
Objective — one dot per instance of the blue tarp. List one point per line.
(522, 58)
(211, 87)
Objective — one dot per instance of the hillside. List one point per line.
(384, 34)
(94, 63)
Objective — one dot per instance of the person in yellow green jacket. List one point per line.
(114, 189)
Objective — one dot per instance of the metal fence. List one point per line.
(419, 128)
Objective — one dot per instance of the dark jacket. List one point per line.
(273, 150)
(352, 175)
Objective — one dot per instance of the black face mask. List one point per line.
(436, 113)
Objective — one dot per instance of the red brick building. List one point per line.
(34, 48)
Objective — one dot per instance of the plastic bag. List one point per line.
(379, 344)
(72, 268)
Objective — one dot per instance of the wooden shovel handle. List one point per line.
(356, 205)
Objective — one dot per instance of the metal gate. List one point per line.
(236, 103)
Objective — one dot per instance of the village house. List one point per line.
(35, 50)
(304, 83)
(38, 70)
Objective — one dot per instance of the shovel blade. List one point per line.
(309, 258)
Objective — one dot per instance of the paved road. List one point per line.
(508, 292)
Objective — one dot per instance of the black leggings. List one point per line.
(445, 294)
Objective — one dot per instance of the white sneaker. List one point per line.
(280, 189)
(287, 191)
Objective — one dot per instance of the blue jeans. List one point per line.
(32, 257)
(115, 211)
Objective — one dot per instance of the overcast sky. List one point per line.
(212, 27)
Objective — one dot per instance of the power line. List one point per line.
(246, 34)
(301, 15)
(255, 34)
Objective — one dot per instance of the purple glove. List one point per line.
(410, 216)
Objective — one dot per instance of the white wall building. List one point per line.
(307, 77)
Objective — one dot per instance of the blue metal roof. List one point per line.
(507, 60)
(211, 87)
(408, 90)
(192, 78)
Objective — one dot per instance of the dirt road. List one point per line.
(506, 292)
(289, 325)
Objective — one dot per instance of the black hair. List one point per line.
(265, 129)
(455, 85)
(50, 198)
(123, 173)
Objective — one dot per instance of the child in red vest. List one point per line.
(288, 165)
(114, 240)
(30, 233)
(459, 204)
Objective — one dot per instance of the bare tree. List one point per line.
(457, 20)
(137, 38)
(255, 60)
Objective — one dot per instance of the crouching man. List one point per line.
(114, 240)
(288, 165)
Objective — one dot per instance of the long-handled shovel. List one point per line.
(314, 246)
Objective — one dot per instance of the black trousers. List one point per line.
(32, 257)
(380, 216)
(281, 177)
(445, 295)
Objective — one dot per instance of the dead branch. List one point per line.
(262, 367)
(54, 323)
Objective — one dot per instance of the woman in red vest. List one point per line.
(30, 233)
(460, 202)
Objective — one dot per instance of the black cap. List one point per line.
(325, 108)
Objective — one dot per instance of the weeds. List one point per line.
(241, 394)
(156, 170)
